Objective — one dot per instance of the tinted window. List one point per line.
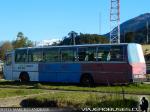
(35, 55)
(112, 53)
(117, 53)
(51, 55)
(87, 54)
(21, 55)
(103, 53)
(68, 54)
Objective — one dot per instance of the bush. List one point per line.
(38, 103)
(38, 86)
(84, 100)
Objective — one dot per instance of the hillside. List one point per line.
(137, 26)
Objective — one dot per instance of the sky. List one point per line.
(54, 19)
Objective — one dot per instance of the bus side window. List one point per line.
(87, 54)
(51, 55)
(68, 54)
(91, 57)
(82, 56)
(35, 55)
(117, 53)
(21, 55)
(103, 54)
(30, 57)
(106, 56)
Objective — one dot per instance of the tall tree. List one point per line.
(21, 41)
(20, 35)
(6, 46)
(72, 36)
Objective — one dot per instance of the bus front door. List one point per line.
(8, 67)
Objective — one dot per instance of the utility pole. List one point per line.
(115, 21)
(124, 36)
(147, 27)
(73, 35)
(100, 23)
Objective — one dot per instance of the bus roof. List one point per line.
(83, 45)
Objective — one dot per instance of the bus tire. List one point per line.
(87, 80)
(24, 77)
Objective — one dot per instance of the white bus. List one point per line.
(94, 63)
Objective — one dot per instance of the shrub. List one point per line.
(38, 86)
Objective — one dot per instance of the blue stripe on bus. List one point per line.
(59, 72)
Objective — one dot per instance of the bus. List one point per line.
(85, 64)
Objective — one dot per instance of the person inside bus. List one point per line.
(91, 57)
(82, 56)
(106, 56)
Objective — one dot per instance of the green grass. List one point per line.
(17, 92)
(74, 99)
(79, 100)
(130, 89)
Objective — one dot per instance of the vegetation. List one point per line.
(130, 89)
(6, 46)
(5, 92)
(21, 41)
(74, 38)
(78, 97)
(146, 51)
(129, 37)
(79, 100)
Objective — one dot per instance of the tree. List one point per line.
(129, 37)
(72, 36)
(6, 46)
(21, 41)
(83, 39)
(20, 35)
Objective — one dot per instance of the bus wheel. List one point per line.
(87, 80)
(24, 77)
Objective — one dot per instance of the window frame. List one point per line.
(32, 52)
(74, 54)
(20, 52)
(45, 53)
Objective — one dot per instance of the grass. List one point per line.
(74, 99)
(146, 47)
(17, 92)
(79, 100)
(129, 89)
